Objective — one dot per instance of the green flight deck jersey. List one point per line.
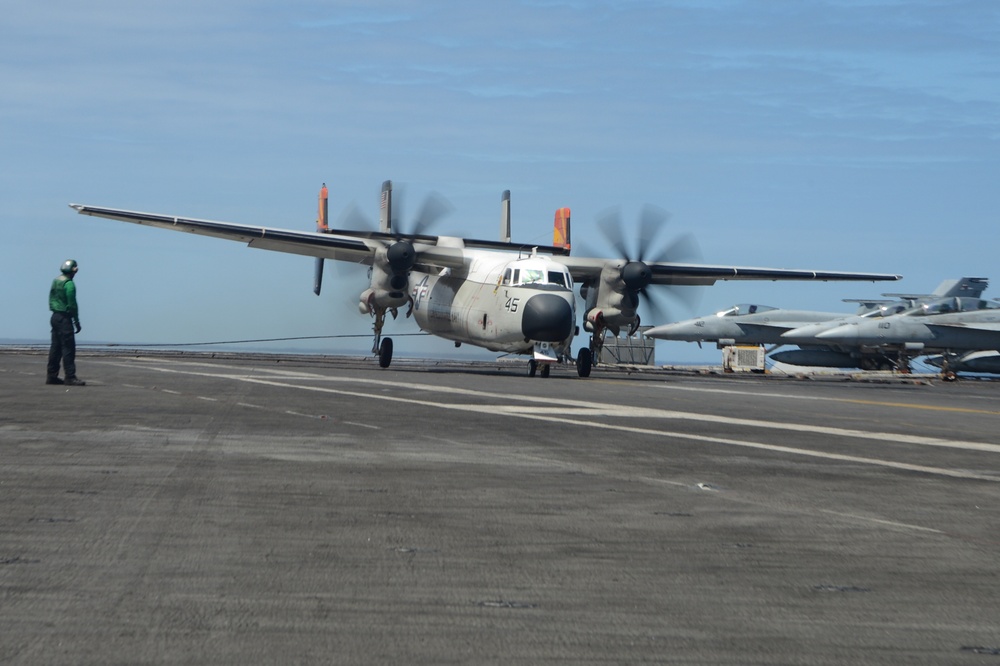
(62, 297)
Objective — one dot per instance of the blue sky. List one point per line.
(838, 134)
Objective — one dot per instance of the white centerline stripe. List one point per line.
(558, 415)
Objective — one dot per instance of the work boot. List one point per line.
(54, 380)
(75, 381)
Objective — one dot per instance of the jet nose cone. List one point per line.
(547, 318)
(667, 331)
(839, 334)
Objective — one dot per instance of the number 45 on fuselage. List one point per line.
(499, 295)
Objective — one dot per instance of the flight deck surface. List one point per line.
(185, 508)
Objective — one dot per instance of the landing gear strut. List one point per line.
(596, 345)
(382, 347)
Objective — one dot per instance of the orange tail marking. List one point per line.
(321, 221)
(560, 232)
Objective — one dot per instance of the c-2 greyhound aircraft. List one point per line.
(502, 296)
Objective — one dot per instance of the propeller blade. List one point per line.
(609, 223)
(657, 312)
(683, 248)
(435, 207)
(398, 206)
(652, 222)
(353, 217)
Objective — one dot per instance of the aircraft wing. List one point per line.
(588, 268)
(307, 243)
(986, 327)
(341, 245)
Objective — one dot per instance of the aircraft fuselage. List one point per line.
(499, 303)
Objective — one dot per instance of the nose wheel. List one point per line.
(385, 353)
(541, 369)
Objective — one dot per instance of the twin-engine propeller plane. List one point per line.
(500, 295)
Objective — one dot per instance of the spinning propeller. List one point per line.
(636, 273)
(400, 254)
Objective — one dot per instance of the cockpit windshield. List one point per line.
(536, 273)
(744, 309)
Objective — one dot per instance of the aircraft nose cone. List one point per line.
(688, 331)
(547, 318)
(839, 334)
(804, 333)
(663, 331)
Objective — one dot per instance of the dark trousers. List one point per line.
(63, 347)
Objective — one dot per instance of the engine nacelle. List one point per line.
(613, 300)
(390, 278)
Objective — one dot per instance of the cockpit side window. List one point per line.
(506, 276)
(555, 277)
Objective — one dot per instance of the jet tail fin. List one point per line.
(561, 230)
(322, 226)
(972, 287)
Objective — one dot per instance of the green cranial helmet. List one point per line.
(69, 267)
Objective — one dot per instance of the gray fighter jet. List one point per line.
(744, 323)
(944, 326)
(816, 349)
(755, 324)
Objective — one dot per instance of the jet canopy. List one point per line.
(951, 304)
(886, 311)
(744, 309)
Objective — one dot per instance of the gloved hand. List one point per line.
(78, 327)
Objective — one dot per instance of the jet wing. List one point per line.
(986, 327)
(341, 245)
(589, 268)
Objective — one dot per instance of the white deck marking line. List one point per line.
(600, 409)
(881, 521)
(855, 401)
(560, 418)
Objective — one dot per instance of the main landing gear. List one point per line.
(382, 347)
(584, 362)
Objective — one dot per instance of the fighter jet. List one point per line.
(948, 325)
(815, 349)
(744, 323)
(754, 324)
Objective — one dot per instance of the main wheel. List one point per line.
(546, 367)
(584, 361)
(532, 367)
(385, 353)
